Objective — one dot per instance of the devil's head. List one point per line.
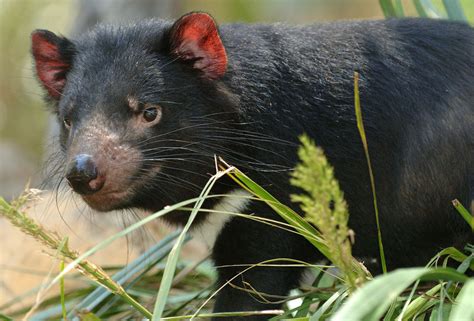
(139, 107)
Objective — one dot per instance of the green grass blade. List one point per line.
(463, 310)
(304, 228)
(452, 252)
(421, 303)
(284, 211)
(3, 317)
(122, 233)
(466, 264)
(426, 9)
(326, 305)
(454, 10)
(173, 257)
(387, 8)
(390, 315)
(398, 7)
(360, 126)
(392, 8)
(464, 213)
(372, 300)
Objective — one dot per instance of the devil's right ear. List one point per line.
(53, 58)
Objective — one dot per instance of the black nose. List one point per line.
(82, 174)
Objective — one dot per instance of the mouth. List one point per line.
(118, 191)
(107, 201)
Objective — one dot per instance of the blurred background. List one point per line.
(26, 127)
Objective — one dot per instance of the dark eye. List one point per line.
(150, 114)
(67, 123)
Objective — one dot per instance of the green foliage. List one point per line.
(332, 237)
(464, 310)
(172, 262)
(383, 297)
(365, 306)
(51, 240)
(464, 213)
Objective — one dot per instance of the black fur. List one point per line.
(417, 97)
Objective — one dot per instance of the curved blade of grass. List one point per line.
(464, 213)
(410, 308)
(463, 310)
(420, 304)
(300, 311)
(466, 264)
(303, 227)
(426, 9)
(155, 253)
(284, 211)
(170, 268)
(249, 267)
(329, 302)
(457, 255)
(360, 126)
(372, 300)
(390, 315)
(124, 232)
(454, 10)
(264, 220)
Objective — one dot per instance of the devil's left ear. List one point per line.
(194, 38)
(53, 57)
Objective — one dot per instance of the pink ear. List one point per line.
(51, 65)
(194, 38)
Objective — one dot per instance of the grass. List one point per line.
(360, 127)
(189, 296)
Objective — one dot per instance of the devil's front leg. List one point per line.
(244, 242)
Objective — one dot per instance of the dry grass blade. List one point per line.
(52, 240)
(360, 126)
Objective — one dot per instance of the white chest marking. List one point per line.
(235, 202)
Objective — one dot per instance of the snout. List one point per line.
(83, 175)
(102, 169)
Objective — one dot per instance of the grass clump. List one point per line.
(53, 241)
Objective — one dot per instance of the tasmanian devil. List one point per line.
(144, 108)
